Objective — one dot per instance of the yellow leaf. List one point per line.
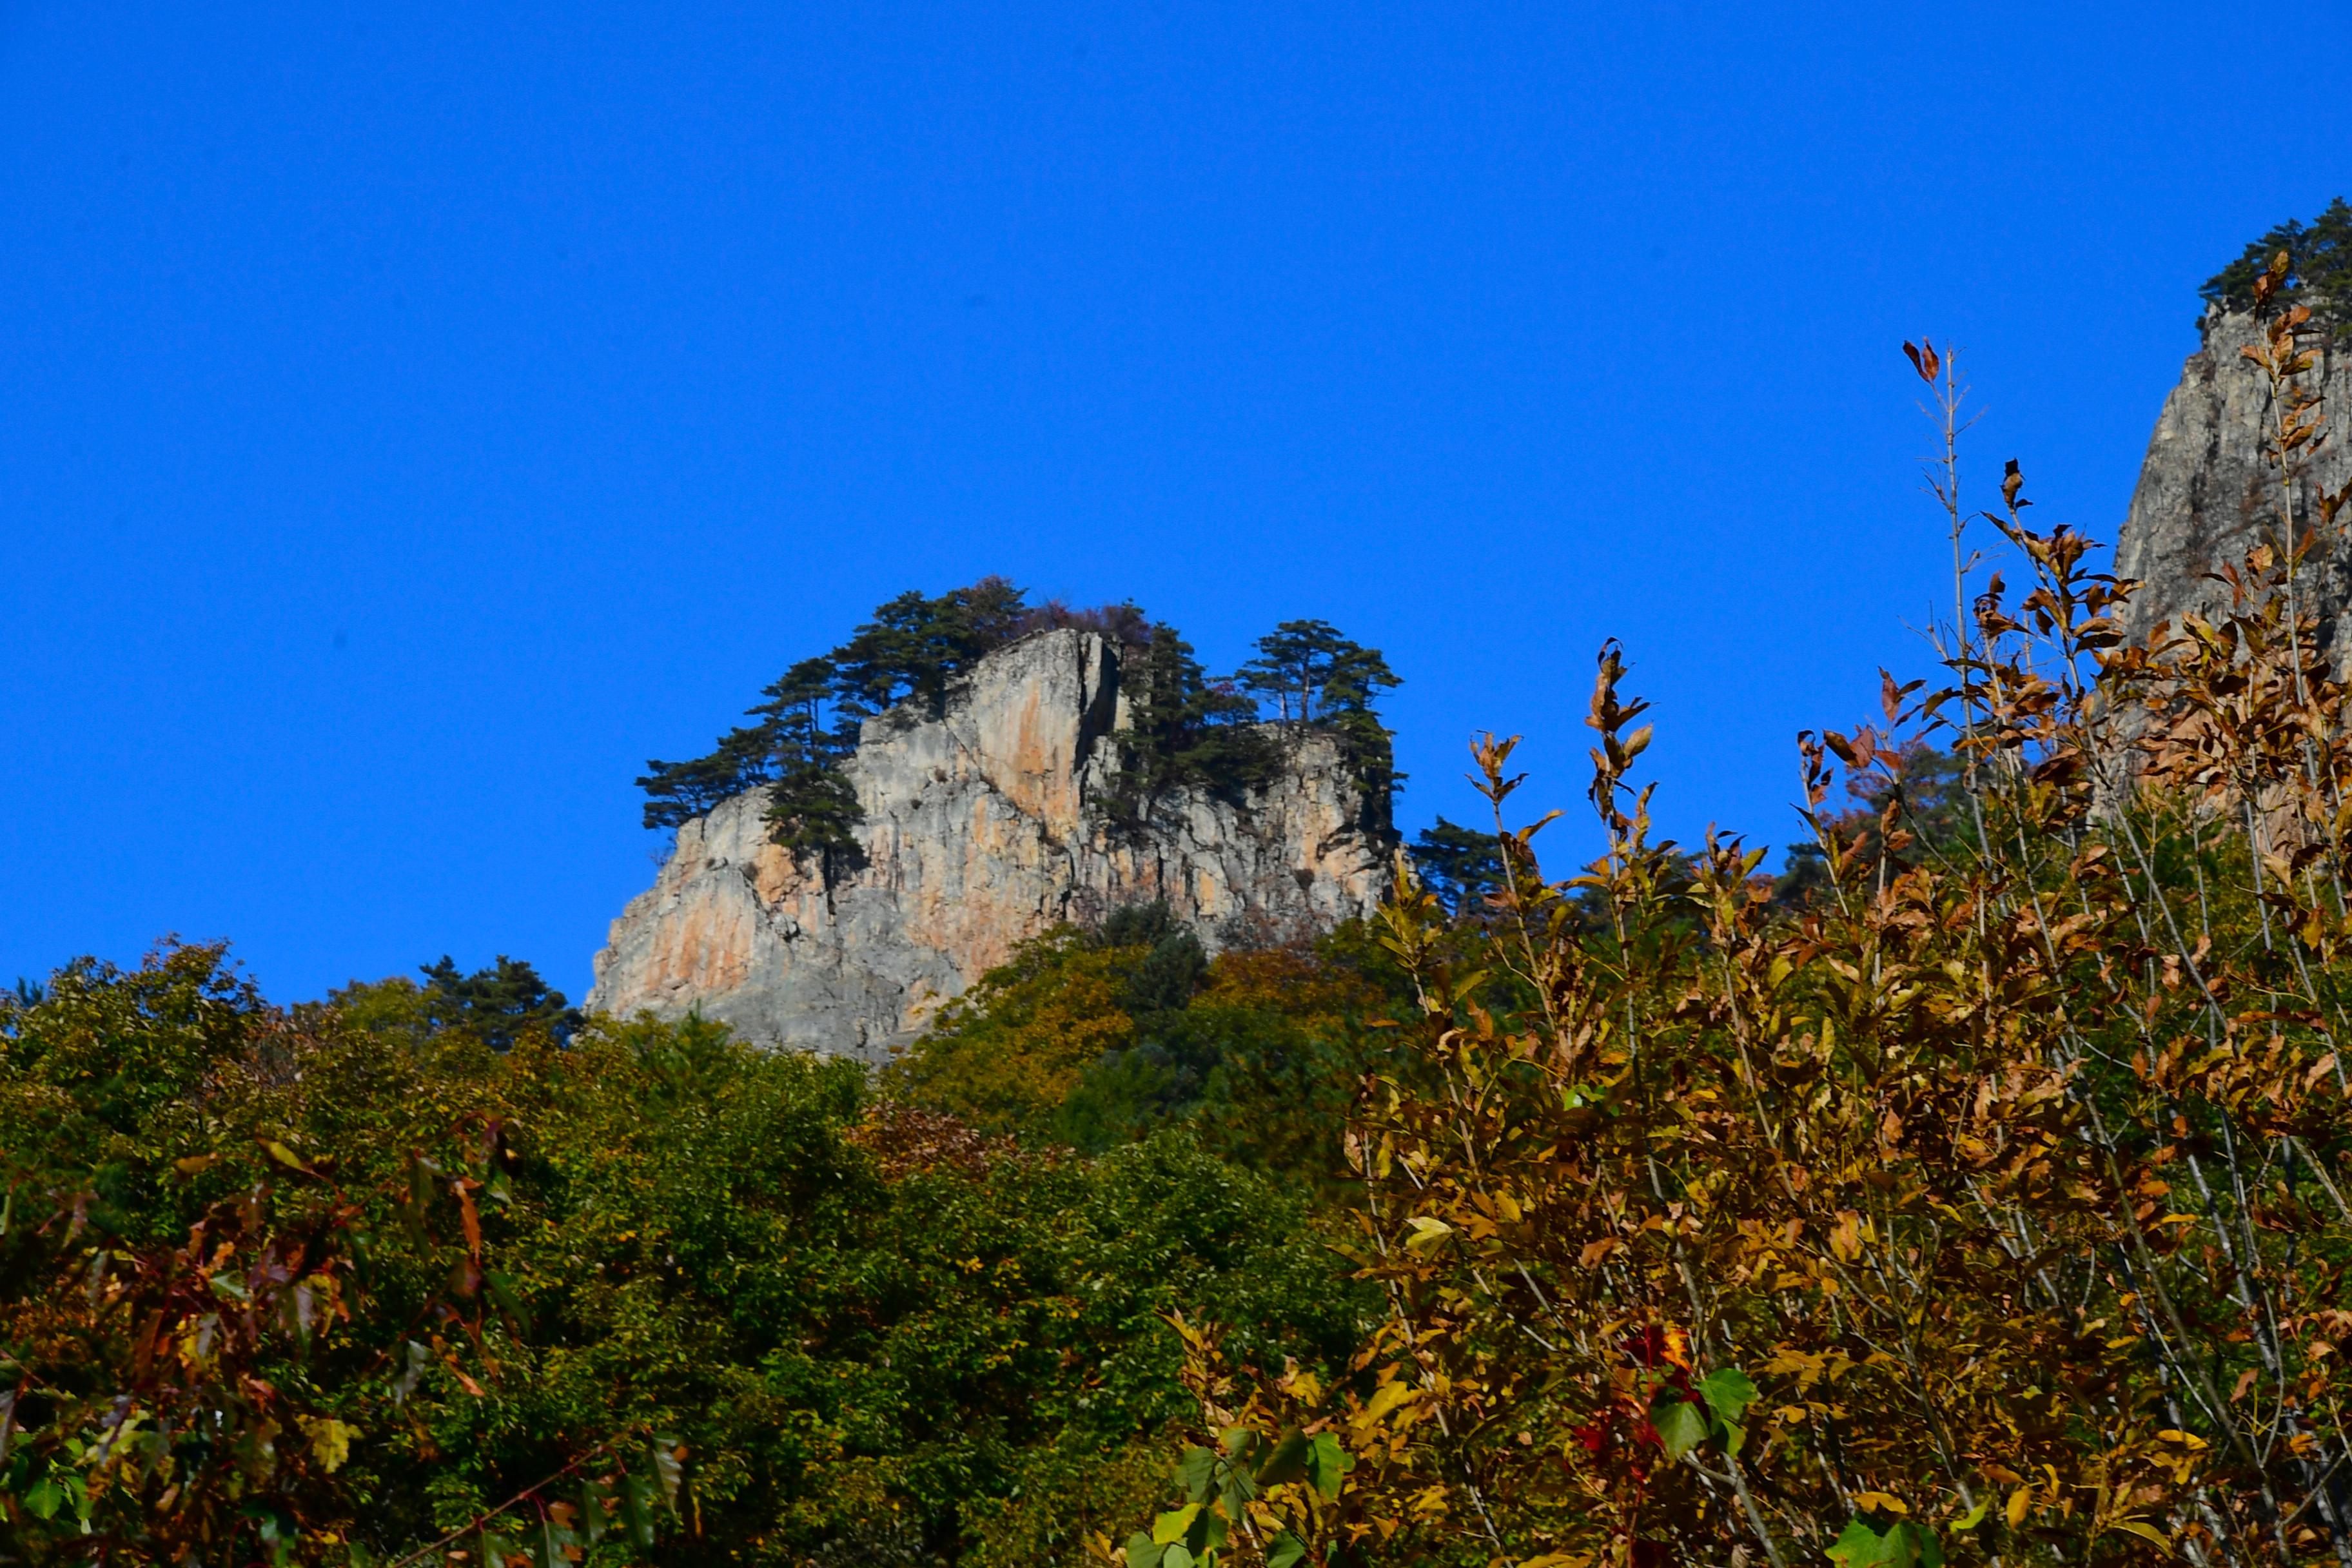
(331, 1441)
(282, 1155)
(2146, 1531)
(2019, 1503)
(1385, 1398)
(1170, 1526)
(1426, 1234)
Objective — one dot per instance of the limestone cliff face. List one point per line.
(2207, 494)
(981, 828)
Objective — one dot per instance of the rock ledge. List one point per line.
(982, 828)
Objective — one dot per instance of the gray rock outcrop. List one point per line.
(2208, 492)
(981, 828)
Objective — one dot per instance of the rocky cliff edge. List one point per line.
(981, 828)
(2208, 493)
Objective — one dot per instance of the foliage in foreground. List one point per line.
(1978, 1191)
(1992, 1205)
(276, 1288)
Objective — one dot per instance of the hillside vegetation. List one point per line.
(1978, 1189)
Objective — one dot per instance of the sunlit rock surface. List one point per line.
(981, 829)
(2208, 494)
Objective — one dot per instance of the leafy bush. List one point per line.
(278, 1285)
(1987, 1200)
(1090, 1040)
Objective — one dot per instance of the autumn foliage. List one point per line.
(1978, 1194)
(1990, 1203)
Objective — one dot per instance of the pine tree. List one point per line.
(1460, 865)
(915, 648)
(1293, 664)
(497, 1004)
(2319, 267)
(1313, 674)
(1184, 729)
(677, 793)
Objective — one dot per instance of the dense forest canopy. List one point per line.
(330, 1284)
(1186, 729)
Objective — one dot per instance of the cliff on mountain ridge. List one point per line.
(979, 828)
(2208, 492)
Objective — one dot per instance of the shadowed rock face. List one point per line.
(982, 828)
(2208, 494)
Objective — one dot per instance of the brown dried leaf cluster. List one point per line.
(1989, 1204)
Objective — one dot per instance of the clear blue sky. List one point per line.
(412, 418)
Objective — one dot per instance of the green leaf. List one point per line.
(1904, 1545)
(1170, 1526)
(1682, 1426)
(1196, 1472)
(44, 1498)
(1729, 1392)
(1859, 1547)
(1326, 1463)
(1974, 1516)
(1284, 1550)
(668, 1471)
(593, 1521)
(419, 1358)
(1208, 1533)
(1288, 1463)
(1175, 1557)
(421, 1171)
(1143, 1551)
(638, 1508)
(502, 1292)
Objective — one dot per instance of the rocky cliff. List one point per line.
(2207, 494)
(981, 828)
